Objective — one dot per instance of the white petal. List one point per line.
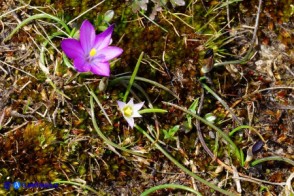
(138, 106)
(130, 121)
(131, 102)
(121, 105)
(136, 114)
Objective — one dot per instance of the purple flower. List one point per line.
(92, 52)
(130, 111)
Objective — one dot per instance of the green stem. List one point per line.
(246, 127)
(153, 22)
(242, 158)
(133, 77)
(76, 184)
(42, 63)
(181, 166)
(99, 104)
(221, 101)
(116, 80)
(34, 17)
(180, 19)
(225, 136)
(152, 110)
(169, 186)
(56, 89)
(241, 61)
(250, 50)
(42, 53)
(42, 58)
(104, 138)
(272, 158)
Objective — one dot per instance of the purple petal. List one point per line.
(109, 53)
(82, 65)
(102, 40)
(101, 69)
(130, 121)
(72, 48)
(87, 36)
(121, 104)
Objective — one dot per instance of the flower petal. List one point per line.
(136, 114)
(101, 69)
(102, 40)
(130, 121)
(82, 65)
(72, 48)
(87, 36)
(138, 106)
(131, 102)
(109, 53)
(121, 105)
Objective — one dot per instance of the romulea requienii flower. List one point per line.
(91, 52)
(130, 110)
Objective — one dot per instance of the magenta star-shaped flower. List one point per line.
(92, 52)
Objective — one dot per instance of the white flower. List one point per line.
(130, 110)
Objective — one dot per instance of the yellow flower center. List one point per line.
(92, 52)
(128, 111)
